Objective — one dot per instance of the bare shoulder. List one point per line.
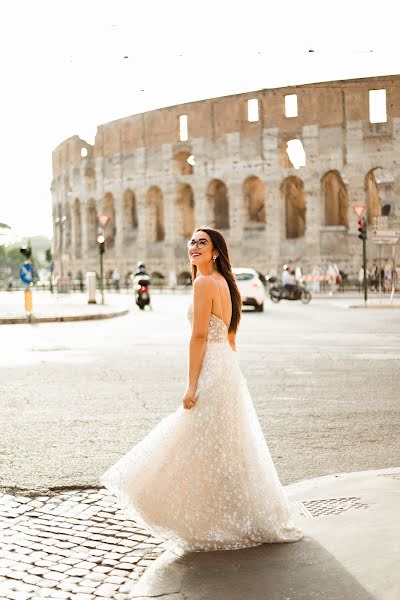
(203, 284)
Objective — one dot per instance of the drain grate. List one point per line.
(330, 506)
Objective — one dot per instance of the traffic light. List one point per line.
(101, 240)
(362, 229)
(26, 251)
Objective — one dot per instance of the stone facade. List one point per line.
(242, 180)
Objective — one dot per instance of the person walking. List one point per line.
(203, 478)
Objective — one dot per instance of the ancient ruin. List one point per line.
(231, 163)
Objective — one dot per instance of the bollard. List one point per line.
(91, 287)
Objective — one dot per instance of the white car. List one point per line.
(250, 287)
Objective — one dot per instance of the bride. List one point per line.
(203, 478)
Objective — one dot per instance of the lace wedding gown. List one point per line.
(203, 478)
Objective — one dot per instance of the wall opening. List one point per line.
(377, 106)
(92, 223)
(78, 228)
(254, 200)
(184, 211)
(296, 153)
(111, 227)
(155, 229)
(130, 214)
(336, 199)
(218, 204)
(183, 163)
(292, 189)
(183, 128)
(379, 187)
(252, 110)
(291, 108)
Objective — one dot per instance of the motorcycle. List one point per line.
(142, 295)
(278, 292)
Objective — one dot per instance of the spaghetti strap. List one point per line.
(220, 299)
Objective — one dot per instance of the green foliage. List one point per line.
(48, 255)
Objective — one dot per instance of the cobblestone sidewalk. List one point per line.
(74, 544)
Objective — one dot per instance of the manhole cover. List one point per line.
(330, 506)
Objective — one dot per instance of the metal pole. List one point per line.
(393, 273)
(101, 277)
(365, 282)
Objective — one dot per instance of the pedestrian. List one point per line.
(203, 478)
(116, 277)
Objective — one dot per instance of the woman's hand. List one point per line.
(188, 398)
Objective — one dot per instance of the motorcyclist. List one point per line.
(288, 281)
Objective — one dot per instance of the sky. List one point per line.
(63, 71)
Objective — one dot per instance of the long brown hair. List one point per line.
(224, 267)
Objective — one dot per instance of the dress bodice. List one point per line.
(217, 329)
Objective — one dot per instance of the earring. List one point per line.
(214, 258)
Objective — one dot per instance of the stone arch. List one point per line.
(336, 199)
(155, 215)
(111, 227)
(254, 200)
(218, 204)
(379, 185)
(130, 220)
(92, 223)
(67, 229)
(78, 228)
(184, 211)
(292, 189)
(284, 159)
(181, 165)
(184, 278)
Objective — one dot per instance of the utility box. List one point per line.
(91, 287)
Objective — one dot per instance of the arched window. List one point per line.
(78, 228)
(218, 204)
(254, 200)
(336, 199)
(111, 227)
(92, 224)
(184, 211)
(181, 164)
(155, 228)
(292, 189)
(379, 190)
(130, 215)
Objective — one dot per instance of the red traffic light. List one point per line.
(361, 223)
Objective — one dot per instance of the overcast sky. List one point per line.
(63, 70)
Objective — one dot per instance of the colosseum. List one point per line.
(226, 162)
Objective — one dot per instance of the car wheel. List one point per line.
(259, 307)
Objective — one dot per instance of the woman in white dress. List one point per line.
(203, 478)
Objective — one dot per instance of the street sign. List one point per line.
(359, 209)
(103, 220)
(26, 273)
(385, 236)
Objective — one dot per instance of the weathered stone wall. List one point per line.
(242, 181)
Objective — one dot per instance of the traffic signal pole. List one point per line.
(363, 237)
(365, 280)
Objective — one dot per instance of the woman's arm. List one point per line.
(202, 304)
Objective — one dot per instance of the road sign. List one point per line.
(26, 273)
(385, 236)
(359, 209)
(103, 220)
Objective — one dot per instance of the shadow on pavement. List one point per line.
(291, 571)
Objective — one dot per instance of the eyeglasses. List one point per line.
(199, 243)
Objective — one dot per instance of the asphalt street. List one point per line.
(324, 379)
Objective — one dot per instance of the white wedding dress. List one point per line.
(203, 478)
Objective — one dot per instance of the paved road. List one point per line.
(75, 396)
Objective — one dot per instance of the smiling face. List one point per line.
(201, 253)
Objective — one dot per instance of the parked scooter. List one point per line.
(278, 292)
(142, 294)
